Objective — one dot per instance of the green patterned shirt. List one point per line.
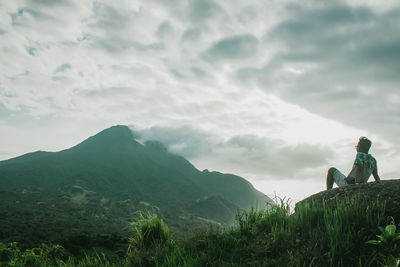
(368, 165)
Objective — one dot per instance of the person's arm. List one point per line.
(376, 176)
(358, 174)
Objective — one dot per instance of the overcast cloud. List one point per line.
(341, 62)
(244, 153)
(265, 89)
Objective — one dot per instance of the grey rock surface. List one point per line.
(387, 191)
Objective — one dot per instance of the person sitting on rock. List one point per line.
(364, 165)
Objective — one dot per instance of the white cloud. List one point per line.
(192, 71)
(354, 54)
(235, 47)
(246, 154)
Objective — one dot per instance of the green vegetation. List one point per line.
(12, 255)
(98, 187)
(352, 234)
(388, 244)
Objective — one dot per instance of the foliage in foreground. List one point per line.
(45, 255)
(352, 234)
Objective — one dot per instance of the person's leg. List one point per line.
(329, 178)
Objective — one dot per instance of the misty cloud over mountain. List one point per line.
(251, 153)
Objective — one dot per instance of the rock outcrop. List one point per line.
(387, 191)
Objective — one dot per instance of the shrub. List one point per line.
(152, 243)
(388, 245)
(44, 255)
(150, 231)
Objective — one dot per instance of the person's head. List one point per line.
(363, 144)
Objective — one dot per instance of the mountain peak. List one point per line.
(117, 131)
(118, 134)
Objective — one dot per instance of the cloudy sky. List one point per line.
(274, 91)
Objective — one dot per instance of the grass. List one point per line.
(352, 234)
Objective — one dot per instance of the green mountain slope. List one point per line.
(101, 185)
(113, 163)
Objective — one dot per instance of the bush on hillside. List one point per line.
(152, 243)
